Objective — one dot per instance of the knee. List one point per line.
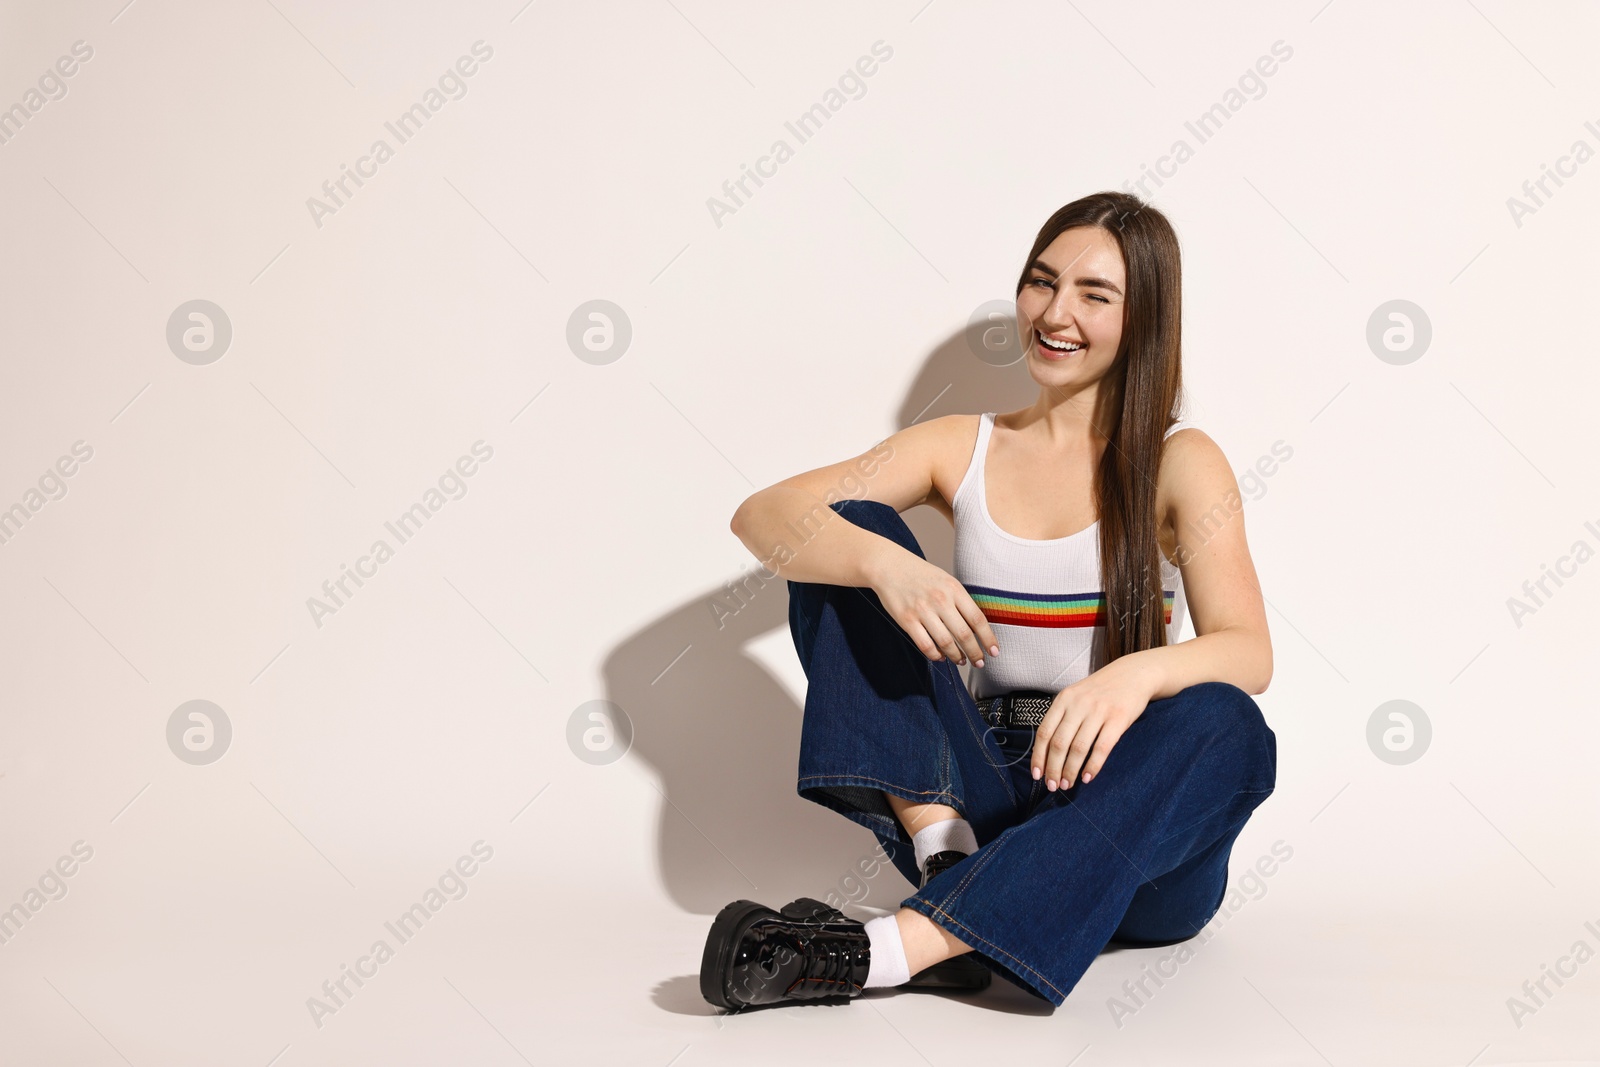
(880, 518)
(1223, 703)
(865, 512)
(1222, 712)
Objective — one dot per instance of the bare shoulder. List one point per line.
(1194, 475)
(1190, 444)
(946, 445)
(941, 428)
(933, 441)
(909, 467)
(958, 432)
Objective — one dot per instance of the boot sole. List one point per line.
(961, 974)
(722, 944)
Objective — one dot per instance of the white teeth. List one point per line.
(1061, 346)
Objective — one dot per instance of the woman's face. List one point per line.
(1074, 293)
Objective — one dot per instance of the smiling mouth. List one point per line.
(1057, 349)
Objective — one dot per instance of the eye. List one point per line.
(1041, 281)
(1097, 296)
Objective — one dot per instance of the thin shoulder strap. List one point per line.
(980, 447)
(974, 472)
(985, 435)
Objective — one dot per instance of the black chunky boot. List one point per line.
(964, 972)
(961, 974)
(807, 952)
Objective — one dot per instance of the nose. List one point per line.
(1057, 316)
(1055, 324)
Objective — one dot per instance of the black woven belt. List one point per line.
(1018, 708)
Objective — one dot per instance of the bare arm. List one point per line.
(1224, 595)
(1219, 580)
(793, 531)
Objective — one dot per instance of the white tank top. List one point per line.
(1042, 598)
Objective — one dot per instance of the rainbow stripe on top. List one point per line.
(1051, 610)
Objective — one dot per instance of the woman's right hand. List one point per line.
(934, 609)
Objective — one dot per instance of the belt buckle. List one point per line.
(997, 718)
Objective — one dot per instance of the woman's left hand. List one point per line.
(1086, 719)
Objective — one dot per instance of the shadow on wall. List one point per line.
(723, 734)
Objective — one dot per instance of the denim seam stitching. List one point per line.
(1198, 759)
(970, 717)
(1220, 807)
(989, 852)
(996, 948)
(847, 778)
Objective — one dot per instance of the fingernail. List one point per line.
(1036, 773)
(977, 663)
(1087, 776)
(1051, 785)
(994, 650)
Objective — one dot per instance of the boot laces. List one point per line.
(829, 964)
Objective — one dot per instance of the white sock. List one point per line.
(941, 837)
(888, 965)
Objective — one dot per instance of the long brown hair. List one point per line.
(1142, 391)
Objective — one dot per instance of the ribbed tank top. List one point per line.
(1042, 597)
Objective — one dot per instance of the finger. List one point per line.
(979, 623)
(1041, 737)
(1078, 751)
(1109, 735)
(1055, 755)
(942, 638)
(973, 623)
(962, 633)
(919, 637)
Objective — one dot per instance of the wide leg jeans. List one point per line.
(1139, 855)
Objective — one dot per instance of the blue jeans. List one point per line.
(1138, 856)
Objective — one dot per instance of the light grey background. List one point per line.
(583, 561)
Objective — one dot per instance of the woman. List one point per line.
(1087, 783)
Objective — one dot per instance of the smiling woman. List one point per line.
(1076, 556)
(1072, 290)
